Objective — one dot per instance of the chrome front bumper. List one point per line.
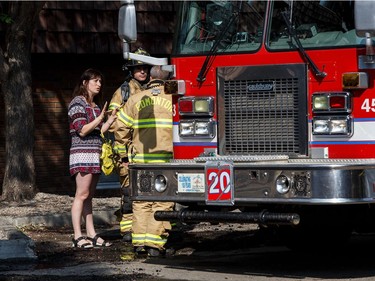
(253, 181)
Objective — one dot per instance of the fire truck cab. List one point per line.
(274, 117)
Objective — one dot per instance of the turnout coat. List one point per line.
(144, 126)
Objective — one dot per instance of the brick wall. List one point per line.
(69, 38)
(85, 27)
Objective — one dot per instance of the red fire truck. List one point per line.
(274, 117)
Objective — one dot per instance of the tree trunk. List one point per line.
(16, 88)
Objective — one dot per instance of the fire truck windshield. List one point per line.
(317, 24)
(238, 26)
(228, 26)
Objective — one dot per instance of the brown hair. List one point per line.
(88, 74)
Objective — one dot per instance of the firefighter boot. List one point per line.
(154, 253)
(127, 236)
(127, 216)
(140, 251)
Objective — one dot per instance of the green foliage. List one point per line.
(6, 19)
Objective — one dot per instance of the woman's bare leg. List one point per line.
(87, 207)
(83, 184)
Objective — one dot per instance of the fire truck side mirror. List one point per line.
(364, 13)
(127, 22)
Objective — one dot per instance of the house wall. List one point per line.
(69, 38)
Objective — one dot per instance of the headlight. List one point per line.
(321, 126)
(160, 183)
(332, 125)
(202, 128)
(186, 128)
(339, 127)
(282, 184)
(197, 128)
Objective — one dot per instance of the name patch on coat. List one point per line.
(151, 101)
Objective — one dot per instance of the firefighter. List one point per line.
(144, 128)
(138, 75)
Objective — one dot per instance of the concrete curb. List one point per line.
(18, 246)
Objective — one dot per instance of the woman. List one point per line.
(85, 124)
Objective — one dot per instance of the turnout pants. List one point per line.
(146, 230)
(126, 206)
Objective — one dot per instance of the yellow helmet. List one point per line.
(139, 51)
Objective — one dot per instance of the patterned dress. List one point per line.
(84, 151)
